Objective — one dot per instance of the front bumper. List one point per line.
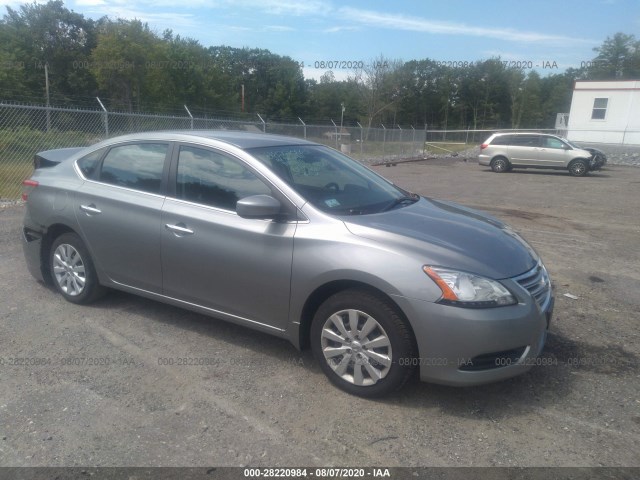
(464, 347)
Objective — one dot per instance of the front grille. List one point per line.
(536, 282)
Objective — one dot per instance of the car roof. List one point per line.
(526, 133)
(240, 139)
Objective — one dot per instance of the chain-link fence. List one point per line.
(26, 130)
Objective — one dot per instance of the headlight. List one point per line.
(467, 290)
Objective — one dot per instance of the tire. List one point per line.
(72, 270)
(578, 168)
(500, 165)
(346, 352)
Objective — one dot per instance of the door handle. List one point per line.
(179, 229)
(90, 209)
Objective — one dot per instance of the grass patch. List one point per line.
(18, 146)
(441, 148)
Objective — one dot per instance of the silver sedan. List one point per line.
(292, 238)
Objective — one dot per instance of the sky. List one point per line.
(548, 36)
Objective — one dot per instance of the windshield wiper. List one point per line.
(406, 200)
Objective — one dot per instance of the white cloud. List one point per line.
(286, 7)
(278, 28)
(154, 19)
(273, 7)
(346, 28)
(417, 24)
(90, 3)
(15, 4)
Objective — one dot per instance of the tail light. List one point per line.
(30, 185)
(483, 146)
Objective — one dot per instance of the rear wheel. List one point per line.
(578, 168)
(363, 344)
(500, 165)
(72, 270)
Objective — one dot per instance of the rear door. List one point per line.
(119, 211)
(523, 149)
(214, 258)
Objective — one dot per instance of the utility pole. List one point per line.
(341, 119)
(46, 84)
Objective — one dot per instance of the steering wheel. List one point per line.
(332, 186)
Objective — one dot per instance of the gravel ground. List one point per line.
(103, 385)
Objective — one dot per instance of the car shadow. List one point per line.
(552, 173)
(543, 385)
(561, 362)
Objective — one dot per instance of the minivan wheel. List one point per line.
(72, 270)
(500, 165)
(363, 344)
(578, 168)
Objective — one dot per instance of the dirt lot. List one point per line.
(108, 395)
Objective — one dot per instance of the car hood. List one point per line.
(450, 235)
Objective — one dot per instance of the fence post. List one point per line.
(413, 141)
(46, 82)
(264, 124)
(384, 139)
(106, 118)
(336, 132)
(361, 138)
(424, 143)
(401, 141)
(190, 116)
(304, 127)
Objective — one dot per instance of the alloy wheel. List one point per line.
(356, 347)
(69, 270)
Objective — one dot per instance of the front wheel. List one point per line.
(578, 168)
(363, 344)
(72, 270)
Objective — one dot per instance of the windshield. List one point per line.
(330, 181)
(571, 144)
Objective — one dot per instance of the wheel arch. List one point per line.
(574, 160)
(323, 292)
(502, 156)
(586, 162)
(50, 235)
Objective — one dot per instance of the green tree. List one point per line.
(130, 63)
(49, 34)
(618, 59)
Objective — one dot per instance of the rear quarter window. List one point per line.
(89, 164)
(501, 140)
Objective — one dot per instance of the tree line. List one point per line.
(132, 68)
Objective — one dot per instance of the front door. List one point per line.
(214, 258)
(523, 149)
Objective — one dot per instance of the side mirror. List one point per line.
(258, 207)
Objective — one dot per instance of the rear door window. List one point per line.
(525, 140)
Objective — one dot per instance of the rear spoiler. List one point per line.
(51, 158)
